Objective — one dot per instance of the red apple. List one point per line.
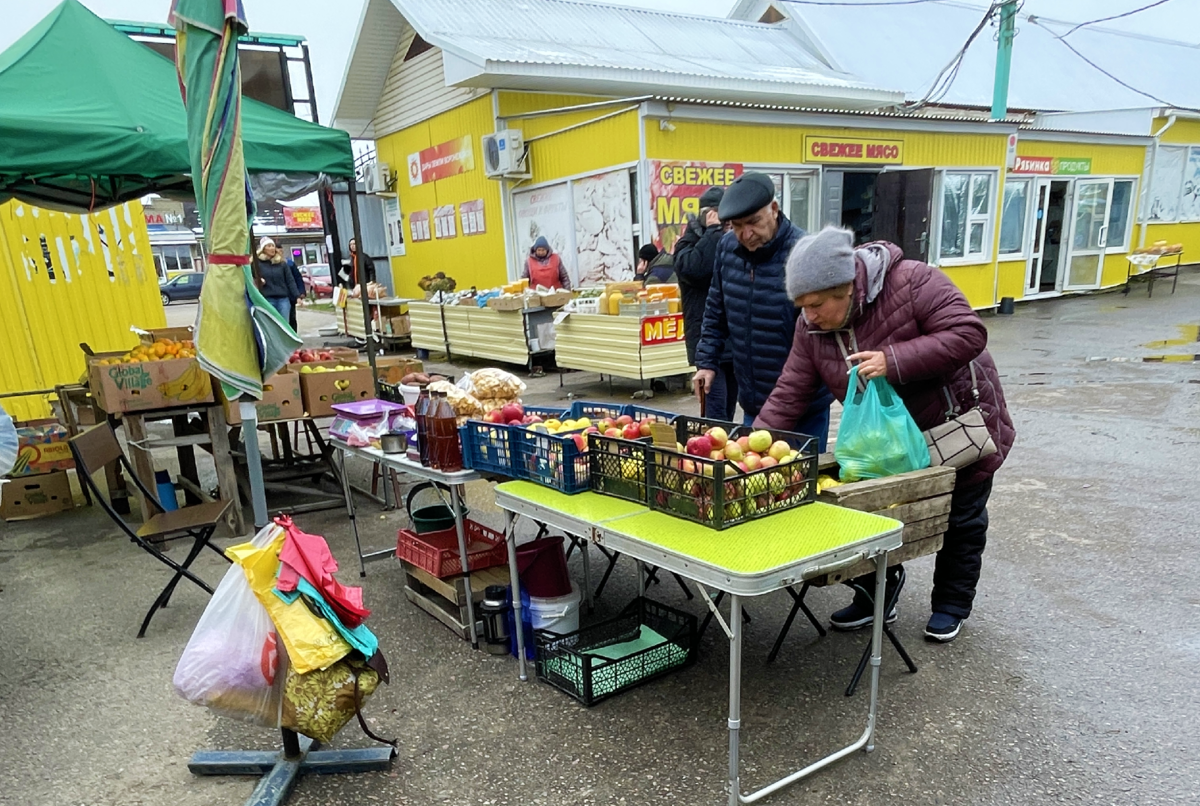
(717, 455)
(591, 429)
(624, 420)
(512, 411)
(631, 431)
(612, 432)
(700, 446)
(779, 449)
(768, 461)
(734, 451)
(325, 355)
(718, 436)
(742, 466)
(752, 461)
(744, 443)
(531, 419)
(494, 416)
(688, 466)
(605, 424)
(580, 442)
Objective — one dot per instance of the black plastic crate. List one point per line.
(552, 460)
(487, 447)
(717, 494)
(605, 659)
(618, 466)
(687, 426)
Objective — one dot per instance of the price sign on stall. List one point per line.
(662, 329)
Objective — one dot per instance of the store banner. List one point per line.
(394, 224)
(545, 212)
(450, 158)
(302, 218)
(675, 190)
(603, 228)
(662, 329)
(1053, 166)
(471, 213)
(443, 222)
(857, 150)
(418, 223)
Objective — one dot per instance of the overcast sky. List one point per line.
(329, 25)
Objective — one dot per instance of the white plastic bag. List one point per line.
(232, 661)
(8, 443)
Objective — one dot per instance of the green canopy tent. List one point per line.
(90, 118)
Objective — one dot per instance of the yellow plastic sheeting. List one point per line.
(69, 279)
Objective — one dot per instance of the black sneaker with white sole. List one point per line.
(943, 627)
(858, 614)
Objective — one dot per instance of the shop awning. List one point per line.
(91, 118)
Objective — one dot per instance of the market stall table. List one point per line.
(1148, 265)
(401, 464)
(510, 336)
(750, 559)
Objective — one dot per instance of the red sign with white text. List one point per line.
(302, 218)
(1034, 165)
(662, 329)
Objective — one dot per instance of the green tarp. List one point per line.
(90, 118)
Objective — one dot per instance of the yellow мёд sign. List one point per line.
(662, 329)
(853, 150)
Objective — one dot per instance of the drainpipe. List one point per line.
(1149, 178)
(510, 261)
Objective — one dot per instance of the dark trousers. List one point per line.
(292, 317)
(721, 401)
(956, 569)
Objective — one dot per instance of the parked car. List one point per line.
(181, 287)
(317, 279)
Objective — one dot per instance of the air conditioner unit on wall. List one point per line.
(504, 154)
(376, 177)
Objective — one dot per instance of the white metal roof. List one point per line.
(905, 46)
(604, 49)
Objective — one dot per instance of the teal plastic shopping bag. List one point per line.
(877, 436)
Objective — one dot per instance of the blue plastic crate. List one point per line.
(552, 460)
(548, 412)
(640, 413)
(597, 411)
(487, 447)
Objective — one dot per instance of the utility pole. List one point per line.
(1004, 42)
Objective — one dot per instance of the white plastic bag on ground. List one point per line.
(231, 664)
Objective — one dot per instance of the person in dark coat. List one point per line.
(655, 267)
(695, 256)
(905, 321)
(348, 276)
(748, 307)
(275, 278)
(298, 279)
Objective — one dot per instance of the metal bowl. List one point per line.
(394, 443)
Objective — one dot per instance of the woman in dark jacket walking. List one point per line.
(903, 320)
(275, 278)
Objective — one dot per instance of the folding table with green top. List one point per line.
(751, 559)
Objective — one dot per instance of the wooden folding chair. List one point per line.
(95, 449)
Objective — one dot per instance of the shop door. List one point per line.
(1089, 234)
(831, 198)
(1045, 253)
(902, 210)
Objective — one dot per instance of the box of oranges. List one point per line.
(160, 373)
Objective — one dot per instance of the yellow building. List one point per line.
(67, 279)
(617, 146)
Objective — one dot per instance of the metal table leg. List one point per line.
(585, 551)
(362, 563)
(455, 501)
(514, 576)
(735, 697)
(641, 575)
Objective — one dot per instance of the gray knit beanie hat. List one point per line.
(820, 262)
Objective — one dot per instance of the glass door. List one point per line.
(1033, 270)
(1089, 234)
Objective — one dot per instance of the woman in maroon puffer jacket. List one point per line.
(903, 320)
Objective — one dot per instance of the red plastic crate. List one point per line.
(437, 552)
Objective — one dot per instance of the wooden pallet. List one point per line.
(920, 500)
(446, 599)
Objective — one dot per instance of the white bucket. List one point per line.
(410, 393)
(559, 614)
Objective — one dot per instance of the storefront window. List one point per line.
(1167, 185)
(965, 215)
(1013, 215)
(1119, 215)
(799, 199)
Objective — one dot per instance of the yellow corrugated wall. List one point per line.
(69, 279)
(612, 139)
(476, 260)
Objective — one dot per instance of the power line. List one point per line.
(945, 79)
(847, 3)
(1124, 84)
(1113, 17)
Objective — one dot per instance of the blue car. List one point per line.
(181, 287)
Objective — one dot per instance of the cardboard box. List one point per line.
(169, 333)
(320, 391)
(397, 325)
(556, 299)
(42, 448)
(343, 353)
(281, 400)
(35, 496)
(391, 368)
(146, 385)
(506, 303)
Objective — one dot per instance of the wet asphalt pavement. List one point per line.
(1074, 681)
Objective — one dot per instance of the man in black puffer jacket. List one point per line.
(748, 308)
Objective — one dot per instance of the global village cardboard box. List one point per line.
(35, 496)
(281, 400)
(144, 385)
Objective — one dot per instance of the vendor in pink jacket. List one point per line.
(903, 320)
